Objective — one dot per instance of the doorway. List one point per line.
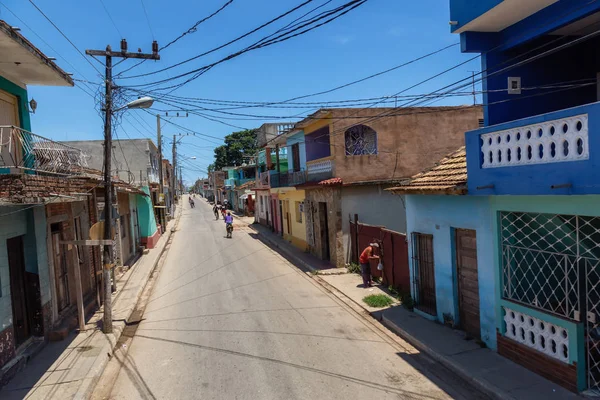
(60, 267)
(324, 231)
(468, 281)
(280, 217)
(18, 294)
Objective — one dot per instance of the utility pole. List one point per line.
(107, 326)
(174, 178)
(161, 190)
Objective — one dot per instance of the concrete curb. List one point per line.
(87, 388)
(483, 385)
(284, 250)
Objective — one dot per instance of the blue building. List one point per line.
(450, 249)
(536, 159)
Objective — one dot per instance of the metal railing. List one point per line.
(21, 151)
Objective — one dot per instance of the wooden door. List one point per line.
(18, 295)
(468, 282)
(324, 230)
(60, 269)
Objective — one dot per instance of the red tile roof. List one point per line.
(331, 182)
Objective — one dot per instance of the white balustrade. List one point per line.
(552, 340)
(560, 140)
(320, 167)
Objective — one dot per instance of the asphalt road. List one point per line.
(232, 319)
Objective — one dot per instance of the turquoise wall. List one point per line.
(31, 225)
(297, 138)
(439, 216)
(569, 205)
(21, 94)
(146, 217)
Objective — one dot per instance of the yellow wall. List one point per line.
(298, 235)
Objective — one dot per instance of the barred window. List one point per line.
(545, 256)
(360, 140)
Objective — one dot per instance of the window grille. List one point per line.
(423, 273)
(360, 140)
(543, 257)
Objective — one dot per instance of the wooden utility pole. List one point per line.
(107, 326)
(174, 174)
(161, 189)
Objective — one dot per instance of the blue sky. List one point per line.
(378, 35)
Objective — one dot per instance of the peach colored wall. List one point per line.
(407, 144)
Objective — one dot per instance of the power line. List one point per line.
(85, 82)
(111, 19)
(194, 27)
(65, 36)
(340, 11)
(221, 46)
(147, 19)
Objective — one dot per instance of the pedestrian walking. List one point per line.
(365, 267)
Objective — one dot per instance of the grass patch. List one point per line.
(378, 300)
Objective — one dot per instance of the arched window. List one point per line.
(360, 139)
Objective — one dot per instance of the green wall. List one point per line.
(570, 205)
(146, 217)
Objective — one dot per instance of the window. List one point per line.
(360, 140)
(296, 156)
(423, 272)
(298, 212)
(544, 257)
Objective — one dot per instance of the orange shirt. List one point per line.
(364, 256)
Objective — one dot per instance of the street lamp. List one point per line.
(142, 102)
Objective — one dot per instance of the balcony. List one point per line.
(320, 169)
(550, 154)
(25, 152)
(264, 180)
(229, 183)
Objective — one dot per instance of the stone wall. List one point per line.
(332, 197)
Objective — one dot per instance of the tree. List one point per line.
(237, 144)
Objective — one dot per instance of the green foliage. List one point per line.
(405, 298)
(237, 144)
(378, 300)
(354, 268)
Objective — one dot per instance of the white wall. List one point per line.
(374, 206)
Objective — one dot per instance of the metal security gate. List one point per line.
(552, 262)
(423, 273)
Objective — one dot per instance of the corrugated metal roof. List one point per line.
(449, 176)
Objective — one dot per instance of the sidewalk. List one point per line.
(491, 373)
(305, 261)
(69, 369)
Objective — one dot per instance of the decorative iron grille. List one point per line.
(360, 140)
(541, 259)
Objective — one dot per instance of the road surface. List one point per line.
(232, 319)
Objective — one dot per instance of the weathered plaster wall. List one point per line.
(439, 216)
(407, 143)
(331, 196)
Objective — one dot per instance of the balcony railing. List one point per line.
(318, 170)
(22, 151)
(547, 154)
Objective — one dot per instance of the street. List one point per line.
(232, 319)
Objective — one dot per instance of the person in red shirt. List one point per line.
(365, 267)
